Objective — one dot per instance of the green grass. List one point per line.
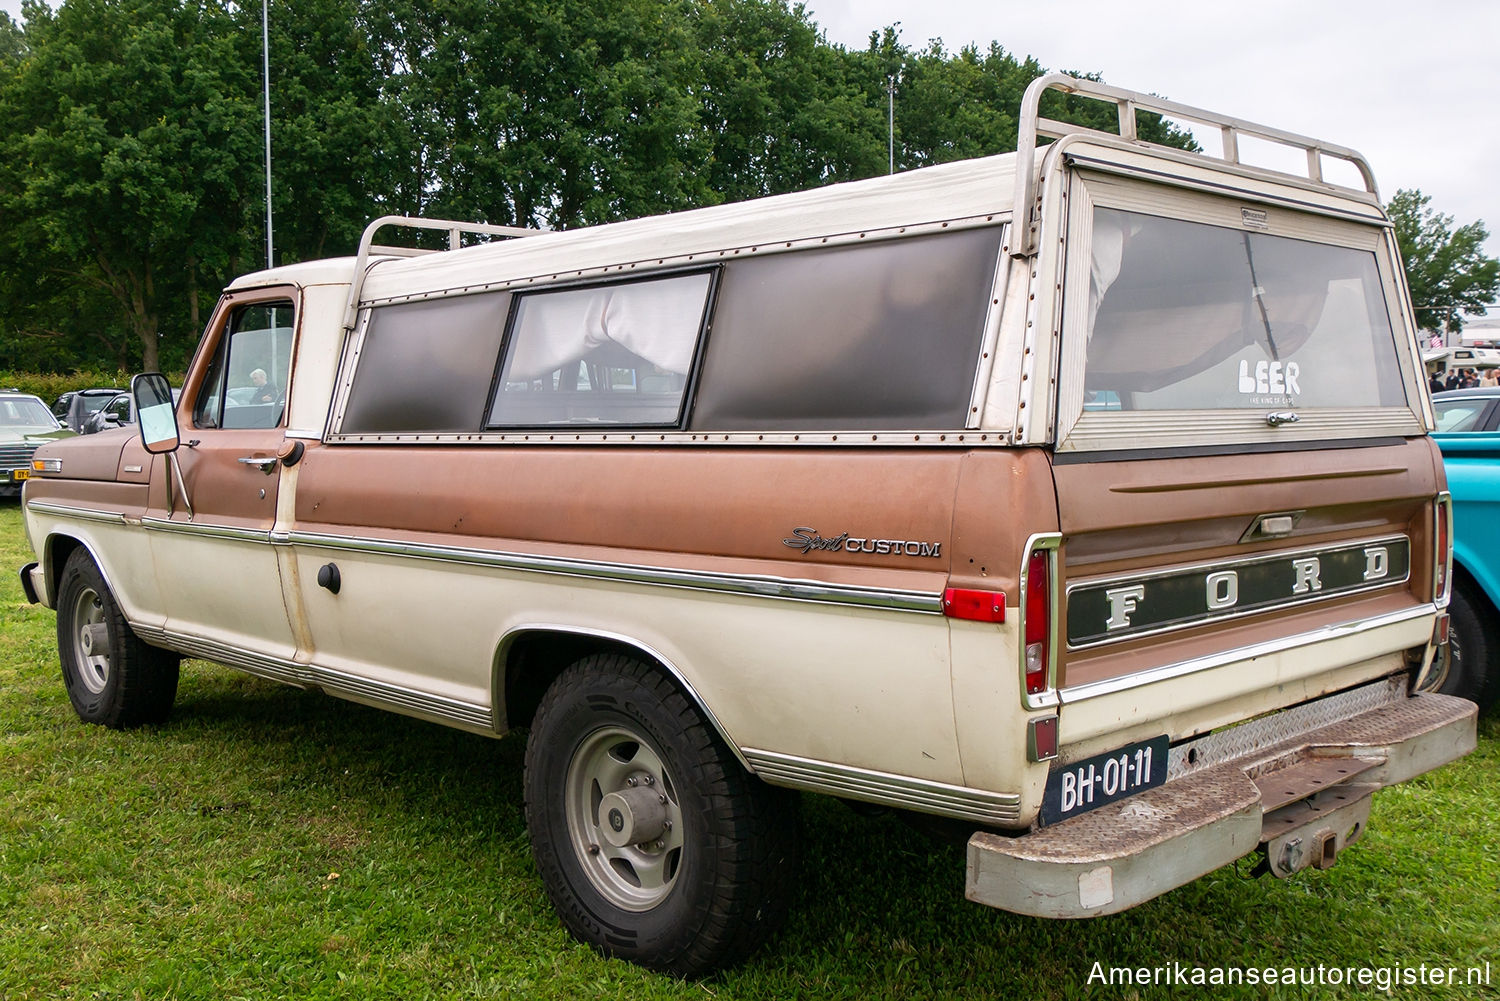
(272, 843)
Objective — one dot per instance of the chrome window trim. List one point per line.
(1158, 573)
(753, 585)
(952, 438)
(1114, 686)
(902, 791)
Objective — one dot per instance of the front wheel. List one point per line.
(113, 677)
(655, 845)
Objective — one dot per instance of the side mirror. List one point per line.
(158, 417)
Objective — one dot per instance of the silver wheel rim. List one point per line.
(90, 641)
(609, 764)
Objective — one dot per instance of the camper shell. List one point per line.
(1082, 495)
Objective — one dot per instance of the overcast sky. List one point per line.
(1413, 86)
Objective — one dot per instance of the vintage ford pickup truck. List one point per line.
(1083, 495)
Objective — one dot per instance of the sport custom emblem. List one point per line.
(1124, 607)
(807, 540)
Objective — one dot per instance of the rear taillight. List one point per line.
(1442, 572)
(1038, 600)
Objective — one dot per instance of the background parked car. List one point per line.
(118, 412)
(1468, 423)
(25, 423)
(74, 408)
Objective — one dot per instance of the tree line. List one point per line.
(131, 146)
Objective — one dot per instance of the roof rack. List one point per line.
(1128, 102)
(455, 231)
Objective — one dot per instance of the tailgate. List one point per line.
(1200, 591)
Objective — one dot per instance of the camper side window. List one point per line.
(603, 354)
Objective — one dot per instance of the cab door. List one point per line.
(215, 562)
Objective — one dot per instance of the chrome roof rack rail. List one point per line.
(455, 231)
(1128, 102)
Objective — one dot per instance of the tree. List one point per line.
(127, 144)
(1448, 272)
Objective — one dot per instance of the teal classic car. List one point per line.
(1469, 436)
(25, 423)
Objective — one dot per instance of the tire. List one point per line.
(1474, 648)
(618, 751)
(113, 678)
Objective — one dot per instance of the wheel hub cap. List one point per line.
(632, 816)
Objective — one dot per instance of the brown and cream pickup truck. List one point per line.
(1082, 495)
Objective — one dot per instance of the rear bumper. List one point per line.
(1303, 798)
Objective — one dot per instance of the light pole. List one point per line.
(265, 52)
(890, 93)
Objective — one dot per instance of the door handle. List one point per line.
(266, 464)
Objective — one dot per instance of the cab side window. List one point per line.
(245, 386)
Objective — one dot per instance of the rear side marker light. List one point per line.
(1041, 738)
(46, 465)
(978, 606)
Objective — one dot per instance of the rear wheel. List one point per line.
(113, 678)
(1474, 648)
(655, 845)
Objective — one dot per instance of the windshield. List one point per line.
(26, 412)
(1188, 316)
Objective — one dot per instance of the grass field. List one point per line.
(273, 843)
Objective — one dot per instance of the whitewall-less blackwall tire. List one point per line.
(113, 678)
(1474, 647)
(654, 843)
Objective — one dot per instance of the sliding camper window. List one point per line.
(427, 367)
(880, 336)
(618, 354)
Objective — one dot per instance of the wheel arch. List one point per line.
(56, 550)
(1483, 583)
(529, 657)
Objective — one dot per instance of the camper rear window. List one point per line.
(1187, 316)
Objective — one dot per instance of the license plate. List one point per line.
(19, 474)
(1081, 786)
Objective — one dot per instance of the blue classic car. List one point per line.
(1469, 436)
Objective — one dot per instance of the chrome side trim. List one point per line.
(748, 584)
(209, 531)
(275, 668)
(466, 715)
(410, 702)
(1112, 686)
(886, 789)
(80, 513)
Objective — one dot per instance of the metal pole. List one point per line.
(890, 91)
(265, 51)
